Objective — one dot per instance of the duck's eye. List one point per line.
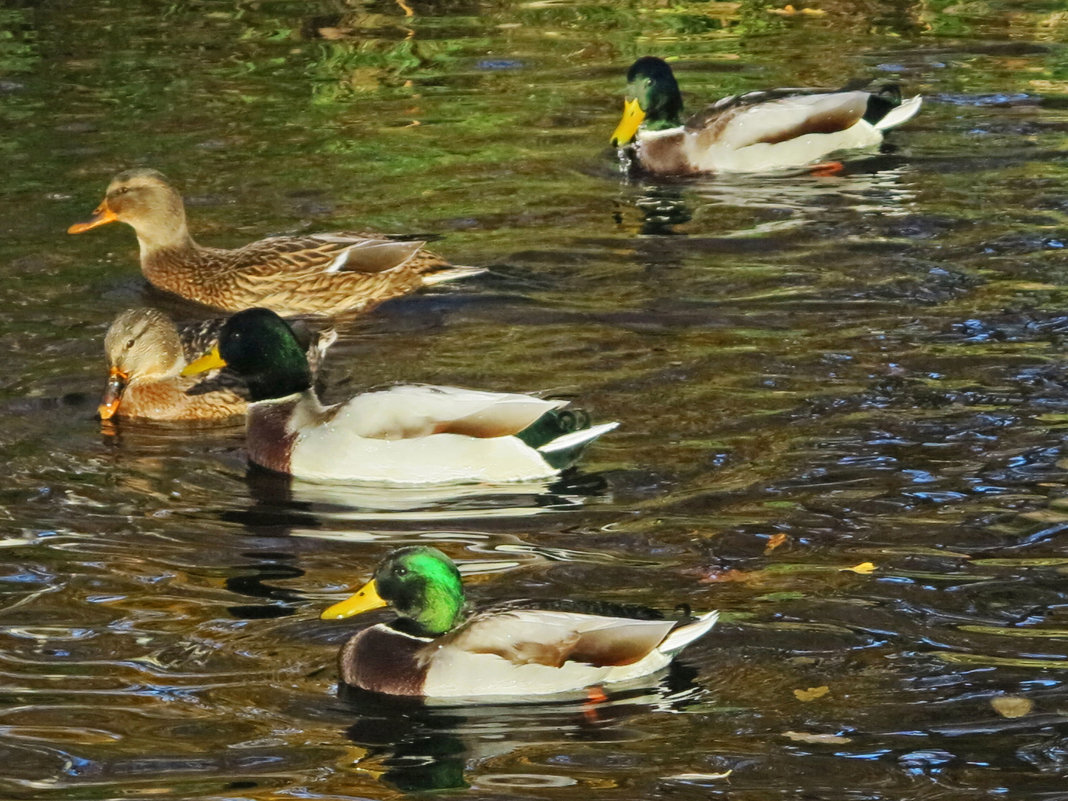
(130, 343)
(400, 570)
(122, 190)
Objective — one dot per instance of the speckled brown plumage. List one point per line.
(311, 274)
(146, 353)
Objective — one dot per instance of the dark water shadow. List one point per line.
(282, 503)
(422, 745)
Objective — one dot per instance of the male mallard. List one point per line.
(146, 355)
(521, 648)
(757, 131)
(312, 274)
(403, 435)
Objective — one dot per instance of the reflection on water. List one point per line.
(422, 745)
(811, 372)
(278, 496)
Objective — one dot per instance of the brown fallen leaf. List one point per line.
(1012, 706)
(715, 576)
(812, 693)
(774, 541)
(700, 777)
(806, 737)
(790, 11)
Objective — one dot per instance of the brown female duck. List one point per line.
(146, 354)
(326, 273)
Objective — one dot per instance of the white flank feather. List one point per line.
(457, 673)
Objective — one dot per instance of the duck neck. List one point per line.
(662, 104)
(663, 114)
(168, 233)
(281, 383)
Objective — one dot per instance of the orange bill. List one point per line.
(109, 404)
(102, 215)
(366, 599)
(628, 126)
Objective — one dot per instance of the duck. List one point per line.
(406, 434)
(146, 353)
(437, 647)
(315, 274)
(753, 132)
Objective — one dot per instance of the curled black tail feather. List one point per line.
(554, 423)
(880, 103)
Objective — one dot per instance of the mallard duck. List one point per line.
(753, 132)
(403, 435)
(324, 274)
(146, 354)
(438, 648)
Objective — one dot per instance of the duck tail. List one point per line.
(887, 110)
(453, 272)
(560, 435)
(685, 634)
(314, 343)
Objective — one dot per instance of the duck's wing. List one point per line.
(776, 116)
(200, 337)
(548, 637)
(338, 252)
(408, 411)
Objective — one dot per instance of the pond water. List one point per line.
(811, 373)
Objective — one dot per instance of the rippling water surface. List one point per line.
(811, 373)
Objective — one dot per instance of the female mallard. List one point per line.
(521, 647)
(313, 274)
(146, 355)
(402, 435)
(753, 132)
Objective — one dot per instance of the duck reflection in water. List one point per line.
(417, 745)
(287, 505)
(662, 208)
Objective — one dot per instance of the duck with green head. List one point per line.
(409, 434)
(436, 647)
(146, 354)
(759, 131)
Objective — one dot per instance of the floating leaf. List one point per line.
(864, 568)
(774, 541)
(790, 11)
(807, 737)
(1012, 706)
(812, 693)
(715, 575)
(699, 777)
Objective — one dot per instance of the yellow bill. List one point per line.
(628, 126)
(102, 215)
(366, 599)
(209, 361)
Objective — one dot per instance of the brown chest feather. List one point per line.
(383, 662)
(270, 442)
